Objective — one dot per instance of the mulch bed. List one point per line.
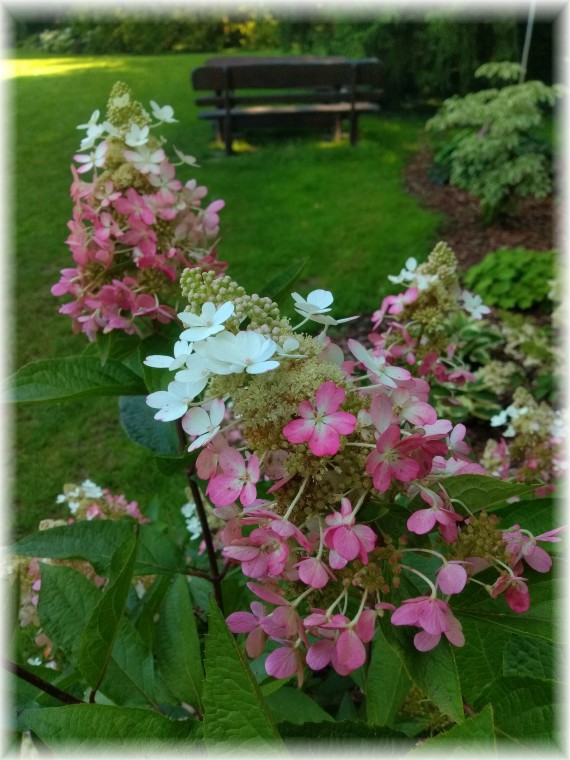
(462, 228)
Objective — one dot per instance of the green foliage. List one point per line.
(498, 160)
(103, 624)
(70, 379)
(387, 683)
(513, 277)
(236, 716)
(97, 541)
(476, 734)
(105, 728)
(484, 492)
(178, 645)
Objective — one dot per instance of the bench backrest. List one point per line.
(289, 75)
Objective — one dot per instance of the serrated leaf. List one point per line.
(482, 491)
(537, 622)
(178, 645)
(345, 735)
(137, 420)
(100, 728)
(236, 717)
(434, 672)
(147, 610)
(529, 657)
(293, 705)
(70, 379)
(284, 281)
(387, 683)
(97, 540)
(66, 602)
(524, 709)
(116, 345)
(102, 627)
(481, 658)
(476, 734)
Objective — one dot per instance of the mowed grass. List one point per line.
(287, 197)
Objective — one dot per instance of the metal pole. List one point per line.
(528, 35)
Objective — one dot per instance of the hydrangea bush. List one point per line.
(338, 531)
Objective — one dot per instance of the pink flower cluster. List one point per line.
(130, 243)
(407, 451)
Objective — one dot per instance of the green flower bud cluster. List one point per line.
(123, 110)
(481, 538)
(263, 314)
(424, 711)
(526, 342)
(435, 303)
(497, 376)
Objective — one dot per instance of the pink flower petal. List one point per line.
(539, 560)
(224, 489)
(299, 431)
(343, 422)
(424, 641)
(346, 543)
(313, 572)
(324, 441)
(451, 578)
(319, 654)
(381, 412)
(350, 650)
(421, 521)
(365, 626)
(282, 663)
(241, 622)
(329, 397)
(255, 643)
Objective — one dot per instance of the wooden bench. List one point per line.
(258, 92)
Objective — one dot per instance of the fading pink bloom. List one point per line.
(516, 592)
(237, 480)
(321, 425)
(390, 460)
(285, 662)
(424, 520)
(434, 616)
(314, 572)
(523, 547)
(452, 577)
(345, 539)
(248, 622)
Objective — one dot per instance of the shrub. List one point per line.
(498, 159)
(513, 278)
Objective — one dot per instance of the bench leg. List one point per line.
(337, 129)
(219, 131)
(353, 129)
(228, 136)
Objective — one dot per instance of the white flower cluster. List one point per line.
(144, 159)
(410, 276)
(206, 348)
(192, 520)
(506, 416)
(87, 490)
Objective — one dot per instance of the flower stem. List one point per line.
(48, 688)
(296, 499)
(421, 575)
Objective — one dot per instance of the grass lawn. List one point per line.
(287, 198)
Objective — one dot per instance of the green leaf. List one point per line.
(386, 685)
(295, 706)
(283, 282)
(147, 609)
(529, 657)
(70, 379)
(434, 672)
(476, 734)
(67, 600)
(345, 735)
(178, 645)
(524, 709)
(97, 540)
(100, 727)
(102, 627)
(116, 345)
(236, 717)
(537, 622)
(480, 660)
(137, 420)
(482, 491)
(536, 515)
